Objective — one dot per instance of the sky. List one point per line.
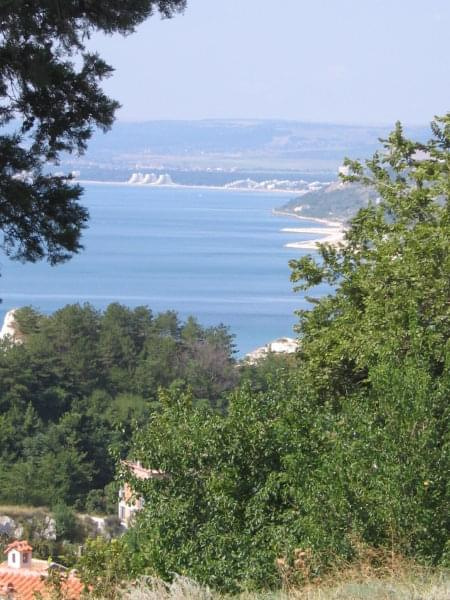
(338, 61)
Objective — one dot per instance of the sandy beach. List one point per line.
(332, 233)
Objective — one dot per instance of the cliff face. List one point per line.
(10, 328)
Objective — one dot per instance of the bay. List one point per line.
(219, 255)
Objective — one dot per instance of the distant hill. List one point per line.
(229, 136)
(232, 144)
(336, 201)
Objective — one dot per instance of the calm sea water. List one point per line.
(218, 255)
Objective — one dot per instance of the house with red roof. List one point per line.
(22, 576)
(129, 503)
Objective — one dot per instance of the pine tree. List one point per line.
(51, 102)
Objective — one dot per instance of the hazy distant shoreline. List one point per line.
(187, 186)
(326, 222)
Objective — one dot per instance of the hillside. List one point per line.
(226, 145)
(336, 201)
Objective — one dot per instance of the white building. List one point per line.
(129, 503)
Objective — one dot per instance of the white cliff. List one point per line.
(283, 345)
(10, 328)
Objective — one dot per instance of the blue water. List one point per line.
(218, 255)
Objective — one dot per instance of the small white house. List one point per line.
(22, 577)
(20, 555)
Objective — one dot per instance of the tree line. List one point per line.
(81, 381)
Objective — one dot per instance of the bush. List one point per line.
(66, 523)
(96, 502)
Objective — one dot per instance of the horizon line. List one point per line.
(273, 119)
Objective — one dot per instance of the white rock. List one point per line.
(49, 531)
(284, 345)
(149, 178)
(7, 526)
(9, 327)
(164, 180)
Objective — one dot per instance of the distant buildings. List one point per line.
(22, 576)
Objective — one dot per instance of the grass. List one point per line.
(11, 510)
(181, 588)
(434, 588)
(412, 586)
(377, 574)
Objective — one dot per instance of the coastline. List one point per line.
(188, 187)
(332, 233)
(326, 222)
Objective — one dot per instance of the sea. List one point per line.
(218, 255)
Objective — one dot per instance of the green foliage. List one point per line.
(51, 102)
(105, 566)
(335, 202)
(267, 370)
(79, 384)
(66, 525)
(351, 445)
(392, 271)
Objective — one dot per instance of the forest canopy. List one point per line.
(349, 449)
(81, 380)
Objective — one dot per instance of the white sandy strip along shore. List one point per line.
(329, 236)
(332, 233)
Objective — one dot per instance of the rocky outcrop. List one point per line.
(41, 523)
(9, 527)
(10, 328)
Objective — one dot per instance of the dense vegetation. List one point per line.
(71, 393)
(348, 450)
(337, 201)
(304, 463)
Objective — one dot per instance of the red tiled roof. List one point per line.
(141, 472)
(20, 546)
(24, 583)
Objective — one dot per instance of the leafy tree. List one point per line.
(66, 524)
(350, 447)
(104, 566)
(51, 101)
(78, 385)
(376, 352)
(392, 272)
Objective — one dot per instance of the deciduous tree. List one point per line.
(351, 449)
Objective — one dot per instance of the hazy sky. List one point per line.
(348, 61)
